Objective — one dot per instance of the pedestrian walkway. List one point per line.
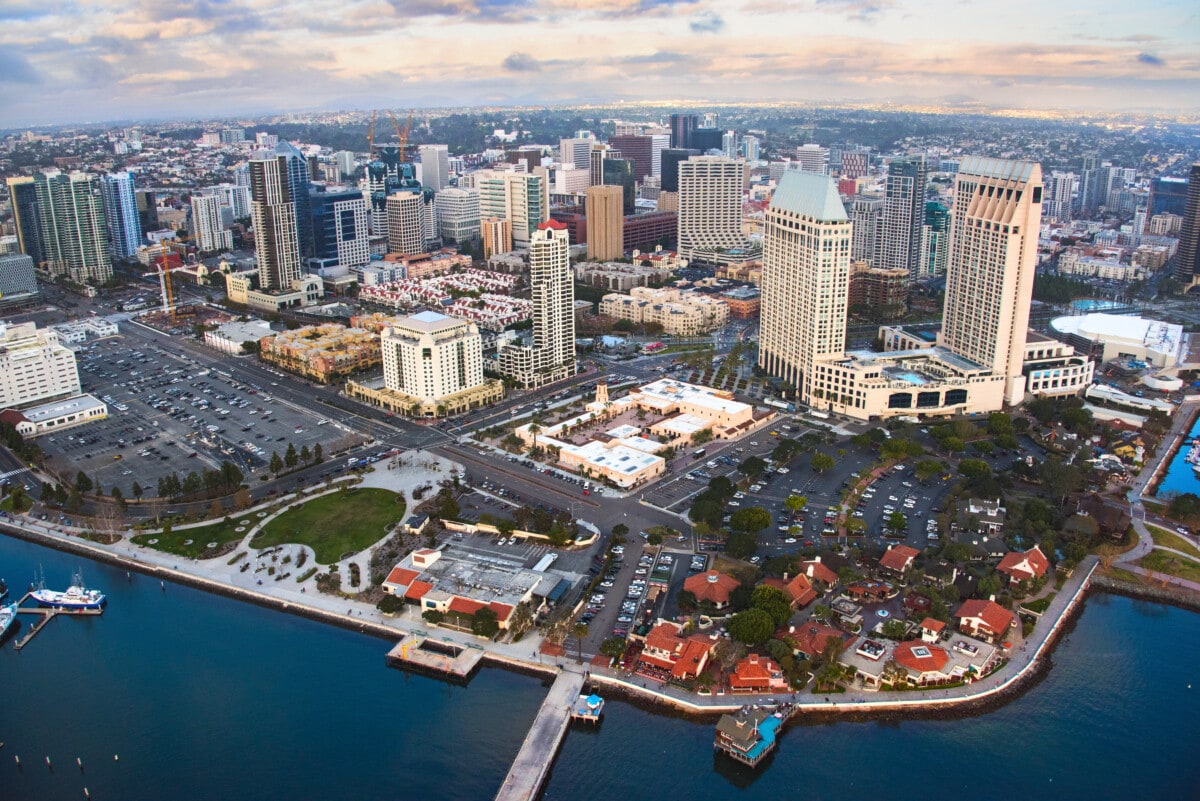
(529, 769)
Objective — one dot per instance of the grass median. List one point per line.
(337, 524)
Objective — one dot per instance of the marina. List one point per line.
(45, 615)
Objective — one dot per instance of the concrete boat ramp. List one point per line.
(529, 769)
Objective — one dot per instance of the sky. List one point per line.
(65, 61)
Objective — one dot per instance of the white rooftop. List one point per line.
(60, 408)
(670, 391)
(1165, 338)
(685, 424)
(620, 432)
(620, 458)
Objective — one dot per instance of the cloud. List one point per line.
(1152, 60)
(861, 10)
(15, 69)
(521, 62)
(706, 22)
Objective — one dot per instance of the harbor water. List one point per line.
(204, 697)
(1179, 477)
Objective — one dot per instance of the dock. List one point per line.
(444, 657)
(45, 615)
(529, 769)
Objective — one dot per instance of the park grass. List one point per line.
(1169, 563)
(176, 541)
(337, 524)
(1170, 539)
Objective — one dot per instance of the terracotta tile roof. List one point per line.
(416, 591)
(1021, 566)
(932, 624)
(801, 590)
(898, 558)
(691, 660)
(664, 637)
(555, 224)
(465, 606)
(819, 571)
(994, 617)
(920, 656)
(811, 638)
(502, 610)
(712, 586)
(401, 576)
(753, 672)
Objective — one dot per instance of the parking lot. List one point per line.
(168, 414)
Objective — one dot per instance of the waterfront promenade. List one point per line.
(533, 761)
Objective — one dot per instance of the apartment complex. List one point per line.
(680, 313)
(321, 352)
(458, 214)
(552, 290)
(208, 232)
(898, 245)
(34, 366)
(273, 211)
(605, 222)
(405, 223)
(710, 206)
(520, 198)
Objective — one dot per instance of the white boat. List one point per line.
(8, 616)
(76, 596)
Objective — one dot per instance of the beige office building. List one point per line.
(805, 278)
(993, 257)
(605, 222)
(497, 236)
(34, 366)
(710, 206)
(406, 223)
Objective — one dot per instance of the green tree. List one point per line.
(82, 482)
(305, 455)
(752, 467)
(752, 519)
(896, 522)
(927, 469)
(485, 623)
(822, 462)
(974, 469)
(191, 484)
(276, 464)
(702, 436)
(686, 600)
(984, 446)
(773, 601)
(753, 626)
(654, 536)
(291, 458)
(613, 647)
(741, 544)
(619, 532)
(318, 453)
(794, 503)
(580, 632)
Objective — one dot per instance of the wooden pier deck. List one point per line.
(45, 615)
(529, 769)
(423, 652)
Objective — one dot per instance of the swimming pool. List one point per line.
(1094, 305)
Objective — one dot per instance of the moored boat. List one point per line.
(8, 616)
(77, 596)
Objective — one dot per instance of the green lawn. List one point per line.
(1169, 539)
(200, 537)
(1163, 562)
(337, 524)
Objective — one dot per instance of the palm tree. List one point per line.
(579, 631)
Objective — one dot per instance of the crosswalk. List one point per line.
(12, 473)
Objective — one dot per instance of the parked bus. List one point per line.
(699, 454)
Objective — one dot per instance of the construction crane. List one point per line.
(164, 273)
(402, 134)
(371, 137)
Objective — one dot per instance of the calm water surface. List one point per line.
(1180, 477)
(204, 698)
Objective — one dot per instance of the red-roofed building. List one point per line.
(922, 661)
(931, 629)
(986, 620)
(757, 674)
(665, 650)
(554, 225)
(809, 640)
(898, 559)
(1031, 564)
(819, 573)
(416, 591)
(713, 586)
(398, 580)
(798, 589)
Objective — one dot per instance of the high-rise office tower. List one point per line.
(458, 214)
(806, 278)
(299, 178)
(121, 214)
(935, 239)
(496, 233)
(710, 205)
(682, 126)
(658, 144)
(729, 144)
(406, 223)
(435, 166)
(899, 244)
(73, 231)
(522, 199)
(346, 164)
(208, 230)
(18, 280)
(638, 150)
(706, 139)
(670, 160)
(813, 158)
(749, 148)
(147, 204)
(1057, 203)
(866, 213)
(993, 256)
(340, 227)
(552, 291)
(1187, 259)
(576, 151)
(22, 193)
(619, 172)
(855, 163)
(273, 214)
(1168, 195)
(605, 222)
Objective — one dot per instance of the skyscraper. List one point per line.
(806, 276)
(605, 222)
(813, 158)
(993, 256)
(406, 223)
(899, 243)
(1187, 259)
(340, 228)
(458, 214)
(639, 151)
(619, 172)
(73, 232)
(749, 148)
(435, 166)
(273, 213)
(682, 126)
(1057, 201)
(299, 178)
(729, 144)
(552, 291)
(706, 139)
(658, 144)
(866, 213)
(710, 205)
(208, 231)
(935, 239)
(576, 151)
(121, 214)
(22, 193)
(522, 199)
(855, 163)
(670, 161)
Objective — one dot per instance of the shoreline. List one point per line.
(1164, 464)
(921, 706)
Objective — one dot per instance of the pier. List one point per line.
(45, 615)
(529, 769)
(417, 650)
